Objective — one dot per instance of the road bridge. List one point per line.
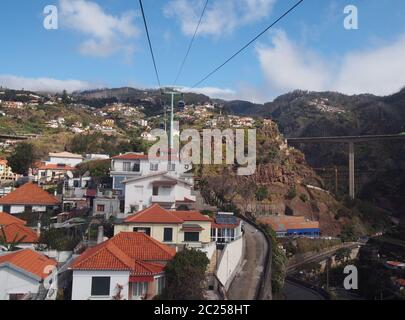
(350, 140)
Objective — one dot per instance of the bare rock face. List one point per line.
(293, 188)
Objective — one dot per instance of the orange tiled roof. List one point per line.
(131, 156)
(283, 223)
(6, 219)
(30, 261)
(191, 216)
(157, 214)
(127, 251)
(18, 232)
(154, 214)
(29, 194)
(56, 167)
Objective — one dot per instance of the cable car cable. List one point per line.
(191, 43)
(150, 45)
(247, 45)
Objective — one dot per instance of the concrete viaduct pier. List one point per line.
(350, 141)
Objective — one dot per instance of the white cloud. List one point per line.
(212, 92)
(288, 66)
(380, 71)
(106, 33)
(45, 84)
(221, 17)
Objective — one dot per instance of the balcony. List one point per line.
(163, 199)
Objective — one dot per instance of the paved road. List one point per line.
(294, 291)
(247, 280)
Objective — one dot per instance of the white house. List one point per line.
(23, 272)
(134, 165)
(65, 158)
(129, 266)
(28, 198)
(159, 188)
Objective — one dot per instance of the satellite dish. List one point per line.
(69, 174)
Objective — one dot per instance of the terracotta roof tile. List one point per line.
(30, 261)
(18, 232)
(284, 223)
(132, 251)
(131, 156)
(6, 219)
(154, 214)
(191, 216)
(56, 167)
(29, 194)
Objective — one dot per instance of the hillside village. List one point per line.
(105, 224)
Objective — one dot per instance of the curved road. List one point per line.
(247, 280)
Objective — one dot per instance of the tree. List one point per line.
(343, 254)
(10, 245)
(22, 159)
(185, 276)
(97, 168)
(65, 97)
(262, 193)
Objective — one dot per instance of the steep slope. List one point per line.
(284, 184)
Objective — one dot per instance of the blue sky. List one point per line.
(103, 44)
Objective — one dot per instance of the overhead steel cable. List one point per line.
(191, 43)
(150, 45)
(247, 45)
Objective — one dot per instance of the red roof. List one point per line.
(127, 251)
(30, 261)
(19, 233)
(6, 219)
(157, 214)
(56, 167)
(131, 156)
(29, 194)
(137, 156)
(191, 216)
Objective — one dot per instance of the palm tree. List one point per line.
(10, 245)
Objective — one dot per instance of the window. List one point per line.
(142, 230)
(154, 167)
(155, 191)
(160, 285)
(168, 235)
(126, 166)
(118, 183)
(191, 237)
(100, 286)
(137, 167)
(171, 167)
(139, 289)
(100, 207)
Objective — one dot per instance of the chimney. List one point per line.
(100, 235)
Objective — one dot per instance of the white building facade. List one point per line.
(162, 188)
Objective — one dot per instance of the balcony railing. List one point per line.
(163, 199)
